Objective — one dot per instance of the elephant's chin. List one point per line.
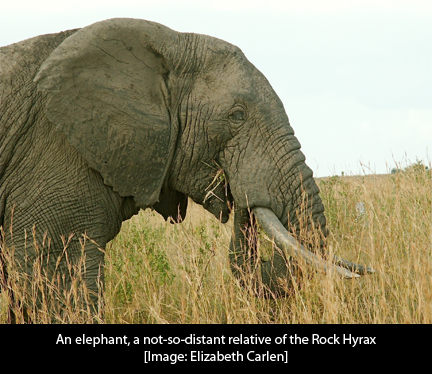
(219, 202)
(220, 209)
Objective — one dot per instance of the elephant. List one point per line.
(127, 114)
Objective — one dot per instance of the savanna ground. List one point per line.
(156, 272)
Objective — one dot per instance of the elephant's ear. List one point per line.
(108, 93)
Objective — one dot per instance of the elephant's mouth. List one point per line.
(283, 240)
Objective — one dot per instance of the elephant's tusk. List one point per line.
(352, 266)
(274, 229)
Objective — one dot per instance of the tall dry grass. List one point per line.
(156, 272)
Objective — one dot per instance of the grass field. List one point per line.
(157, 272)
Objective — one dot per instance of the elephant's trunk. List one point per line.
(281, 194)
(276, 274)
(283, 240)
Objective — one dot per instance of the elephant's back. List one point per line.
(19, 63)
(30, 53)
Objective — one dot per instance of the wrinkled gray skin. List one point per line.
(127, 114)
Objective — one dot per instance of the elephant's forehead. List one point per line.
(227, 76)
(237, 78)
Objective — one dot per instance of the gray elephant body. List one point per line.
(47, 188)
(128, 114)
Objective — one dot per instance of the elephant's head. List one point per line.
(164, 115)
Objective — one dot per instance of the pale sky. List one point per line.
(355, 77)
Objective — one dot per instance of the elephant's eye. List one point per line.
(237, 115)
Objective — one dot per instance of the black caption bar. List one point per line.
(143, 346)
